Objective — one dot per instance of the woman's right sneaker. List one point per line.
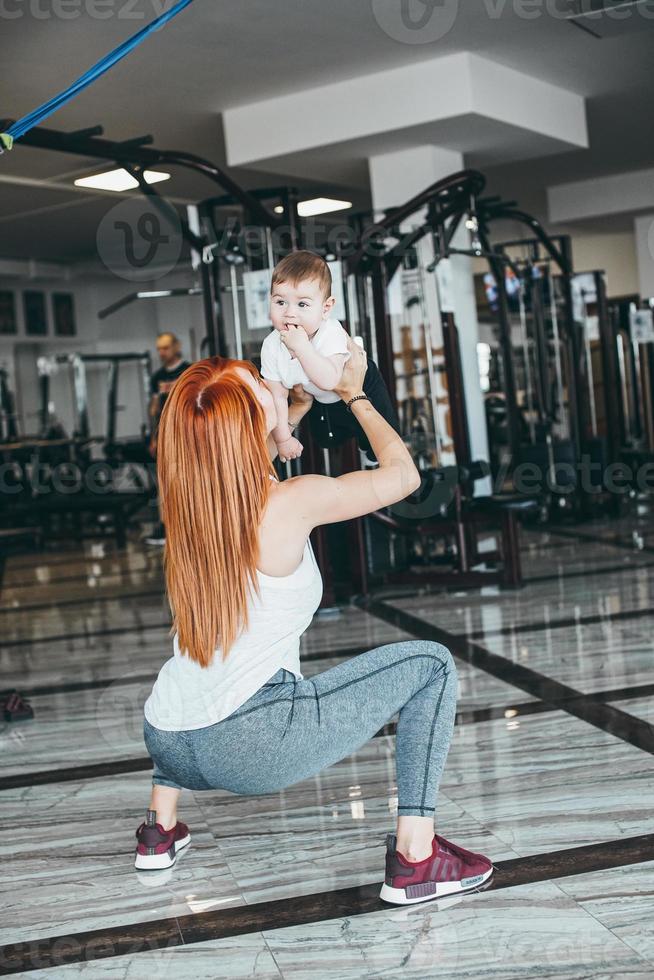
(157, 848)
(449, 870)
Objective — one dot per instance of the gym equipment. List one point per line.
(632, 330)
(544, 377)
(47, 368)
(215, 241)
(8, 417)
(229, 271)
(630, 342)
(136, 155)
(22, 126)
(544, 351)
(131, 448)
(57, 479)
(389, 280)
(146, 294)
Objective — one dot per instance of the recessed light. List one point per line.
(119, 180)
(321, 205)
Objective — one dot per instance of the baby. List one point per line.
(309, 347)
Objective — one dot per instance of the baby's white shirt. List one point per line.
(277, 363)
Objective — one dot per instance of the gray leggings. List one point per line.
(291, 729)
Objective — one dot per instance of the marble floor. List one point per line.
(550, 773)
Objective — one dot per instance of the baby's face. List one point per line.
(302, 305)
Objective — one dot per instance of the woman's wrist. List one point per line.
(347, 396)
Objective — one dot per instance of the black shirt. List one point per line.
(162, 381)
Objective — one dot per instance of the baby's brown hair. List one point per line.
(303, 265)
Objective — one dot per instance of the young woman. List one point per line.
(231, 709)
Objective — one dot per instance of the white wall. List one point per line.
(613, 252)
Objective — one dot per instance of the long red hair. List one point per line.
(214, 470)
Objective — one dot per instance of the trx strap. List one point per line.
(37, 116)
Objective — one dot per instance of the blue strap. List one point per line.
(23, 125)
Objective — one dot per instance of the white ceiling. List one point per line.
(224, 53)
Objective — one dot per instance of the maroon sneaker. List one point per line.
(449, 870)
(157, 848)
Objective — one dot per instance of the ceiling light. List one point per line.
(278, 209)
(321, 205)
(119, 180)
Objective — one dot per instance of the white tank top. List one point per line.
(186, 696)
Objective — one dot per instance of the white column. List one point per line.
(395, 178)
(644, 233)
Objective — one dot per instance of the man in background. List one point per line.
(172, 366)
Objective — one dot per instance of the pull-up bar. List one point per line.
(148, 294)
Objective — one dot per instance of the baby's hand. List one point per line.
(289, 449)
(294, 339)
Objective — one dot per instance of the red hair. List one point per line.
(214, 473)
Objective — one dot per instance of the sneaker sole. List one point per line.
(433, 890)
(156, 862)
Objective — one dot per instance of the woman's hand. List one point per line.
(354, 372)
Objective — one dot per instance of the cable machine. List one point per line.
(400, 292)
(137, 155)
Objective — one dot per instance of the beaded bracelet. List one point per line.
(355, 399)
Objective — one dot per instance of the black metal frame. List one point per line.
(446, 203)
(8, 426)
(114, 361)
(135, 155)
(557, 249)
(449, 200)
(132, 297)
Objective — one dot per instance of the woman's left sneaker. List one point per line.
(157, 848)
(449, 870)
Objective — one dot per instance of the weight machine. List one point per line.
(71, 483)
(216, 257)
(132, 448)
(8, 416)
(631, 336)
(397, 277)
